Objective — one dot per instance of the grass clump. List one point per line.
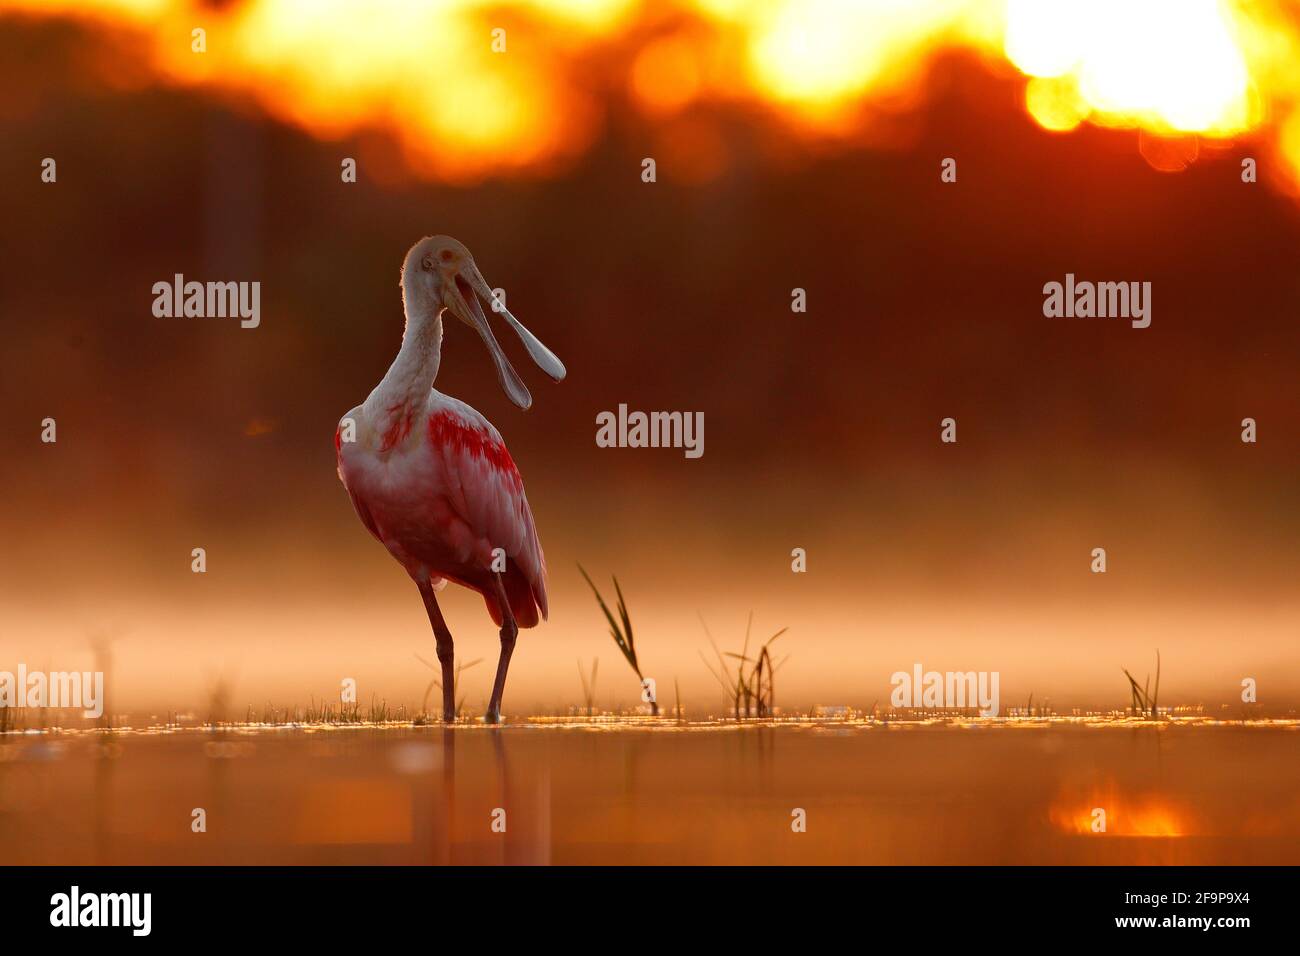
(589, 684)
(1143, 701)
(752, 692)
(620, 629)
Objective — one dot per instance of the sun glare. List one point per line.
(472, 87)
(1161, 64)
(1108, 813)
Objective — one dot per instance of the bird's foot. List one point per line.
(492, 717)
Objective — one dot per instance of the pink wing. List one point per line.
(483, 488)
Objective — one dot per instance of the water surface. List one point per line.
(629, 791)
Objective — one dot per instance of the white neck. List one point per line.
(406, 384)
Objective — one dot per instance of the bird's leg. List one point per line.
(509, 631)
(446, 652)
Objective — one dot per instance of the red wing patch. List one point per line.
(448, 430)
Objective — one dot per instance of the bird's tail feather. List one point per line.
(519, 592)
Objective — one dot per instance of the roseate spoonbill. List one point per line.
(431, 478)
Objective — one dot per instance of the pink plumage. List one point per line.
(443, 497)
(431, 478)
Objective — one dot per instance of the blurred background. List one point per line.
(798, 145)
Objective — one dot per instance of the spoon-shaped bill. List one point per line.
(471, 314)
(546, 359)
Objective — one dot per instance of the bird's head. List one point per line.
(439, 273)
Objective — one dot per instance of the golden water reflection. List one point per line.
(614, 790)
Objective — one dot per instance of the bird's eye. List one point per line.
(447, 255)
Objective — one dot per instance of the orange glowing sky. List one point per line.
(434, 73)
(969, 560)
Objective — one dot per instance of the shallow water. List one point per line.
(618, 791)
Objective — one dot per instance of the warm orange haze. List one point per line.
(819, 233)
(894, 523)
(833, 68)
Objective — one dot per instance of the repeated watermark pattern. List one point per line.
(1101, 300)
(82, 690)
(624, 429)
(952, 690)
(209, 300)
